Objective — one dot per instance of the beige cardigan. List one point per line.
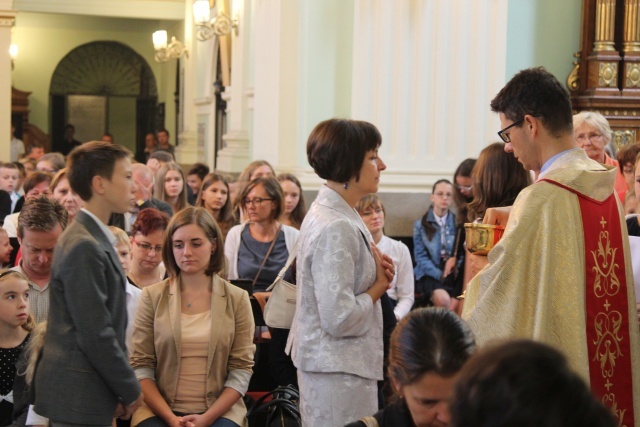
(157, 337)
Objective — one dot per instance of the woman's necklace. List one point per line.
(138, 282)
(193, 298)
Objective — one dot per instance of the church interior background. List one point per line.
(423, 71)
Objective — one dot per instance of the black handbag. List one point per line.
(281, 411)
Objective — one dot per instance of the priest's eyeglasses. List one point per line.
(504, 135)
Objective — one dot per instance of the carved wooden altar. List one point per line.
(606, 73)
(28, 132)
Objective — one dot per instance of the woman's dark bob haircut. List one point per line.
(337, 147)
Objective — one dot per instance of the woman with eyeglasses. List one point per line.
(258, 249)
(463, 195)
(434, 238)
(593, 133)
(463, 183)
(146, 248)
(255, 169)
(627, 159)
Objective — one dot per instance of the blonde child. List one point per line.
(401, 288)
(15, 325)
(23, 412)
(123, 249)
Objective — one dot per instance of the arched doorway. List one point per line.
(100, 87)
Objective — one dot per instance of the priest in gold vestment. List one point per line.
(561, 273)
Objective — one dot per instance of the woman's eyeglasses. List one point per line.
(147, 247)
(464, 187)
(255, 202)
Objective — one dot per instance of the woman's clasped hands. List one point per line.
(385, 270)
(193, 420)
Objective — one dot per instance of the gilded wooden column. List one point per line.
(605, 25)
(631, 47)
(631, 34)
(604, 60)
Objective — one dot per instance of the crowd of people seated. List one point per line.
(377, 337)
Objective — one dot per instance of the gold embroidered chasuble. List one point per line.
(535, 285)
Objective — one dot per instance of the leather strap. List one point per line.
(266, 257)
(284, 269)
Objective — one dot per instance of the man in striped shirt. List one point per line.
(40, 224)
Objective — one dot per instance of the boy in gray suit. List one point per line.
(83, 376)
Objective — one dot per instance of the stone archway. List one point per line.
(104, 86)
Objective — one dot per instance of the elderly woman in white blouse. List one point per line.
(336, 336)
(401, 293)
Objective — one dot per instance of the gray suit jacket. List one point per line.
(83, 371)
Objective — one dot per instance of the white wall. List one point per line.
(422, 71)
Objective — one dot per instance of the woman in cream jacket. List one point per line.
(193, 334)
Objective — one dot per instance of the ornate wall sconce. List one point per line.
(206, 26)
(164, 52)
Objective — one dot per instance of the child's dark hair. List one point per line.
(95, 158)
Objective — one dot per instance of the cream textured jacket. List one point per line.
(336, 327)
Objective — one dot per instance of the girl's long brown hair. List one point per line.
(297, 215)
(498, 178)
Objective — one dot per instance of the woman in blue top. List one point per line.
(433, 245)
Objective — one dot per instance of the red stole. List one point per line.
(607, 310)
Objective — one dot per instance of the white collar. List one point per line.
(110, 236)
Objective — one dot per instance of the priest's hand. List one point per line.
(497, 216)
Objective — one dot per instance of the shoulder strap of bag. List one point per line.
(283, 271)
(456, 244)
(266, 257)
(369, 421)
